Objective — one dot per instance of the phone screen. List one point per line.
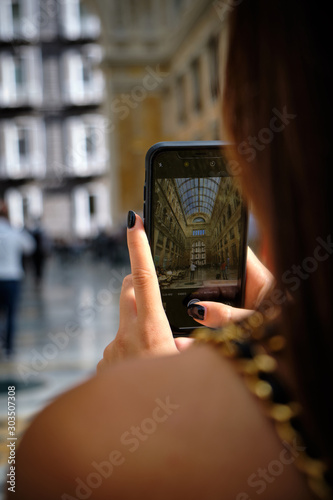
(198, 226)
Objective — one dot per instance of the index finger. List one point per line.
(145, 283)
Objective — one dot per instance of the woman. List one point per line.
(158, 424)
(14, 245)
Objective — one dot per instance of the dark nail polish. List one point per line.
(131, 219)
(196, 312)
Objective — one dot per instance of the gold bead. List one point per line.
(320, 488)
(247, 367)
(265, 363)
(202, 335)
(258, 387)
(229, 349)
(256, 320)
(262, 389)
(286, 432)
(230, 332)
(313, 468)
(277, 343)
(281, 413)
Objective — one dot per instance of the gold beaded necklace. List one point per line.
(241, 343)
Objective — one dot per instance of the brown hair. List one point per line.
(276, 110)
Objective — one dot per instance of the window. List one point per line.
(86, 71)
(16, 11)
(195, 70)
(23, 142)
(19, 19)
(20, 77)
(215, 131)
(178, 5)
(213, 48)
(83, 11)
(86, 144)
(78, 22)
(92, 205)
(91, 140)
(24, 204)
(90, 24)
(198, 232)
(91, 208)
(24, 154)
(83, 79)
(198, 219)
(142, 16)
(180, 99)
(119, 23)
(198, 253)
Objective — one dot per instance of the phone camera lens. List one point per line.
(212, 163)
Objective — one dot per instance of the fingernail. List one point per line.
(197, 312)
(131, 219)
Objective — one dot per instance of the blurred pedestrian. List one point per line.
(101, 244)
(224, 270)
(41, 252)
(192, 270)
(13, 245)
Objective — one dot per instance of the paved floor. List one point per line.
(62, 330)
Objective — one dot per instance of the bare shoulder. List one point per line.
(158, 428)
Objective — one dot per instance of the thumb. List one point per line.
(215, 315)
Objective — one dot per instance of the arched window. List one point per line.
(198, 253)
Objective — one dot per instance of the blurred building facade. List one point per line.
(54, 156)
(162, 60)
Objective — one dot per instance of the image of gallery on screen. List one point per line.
(197, 231)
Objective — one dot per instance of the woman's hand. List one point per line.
(259, 282)
(144, 329)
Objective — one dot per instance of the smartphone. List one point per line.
(196, 222)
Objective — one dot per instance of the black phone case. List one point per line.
(147, 205)
(158, 148)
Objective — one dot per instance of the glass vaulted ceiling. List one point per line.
(198, 195)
